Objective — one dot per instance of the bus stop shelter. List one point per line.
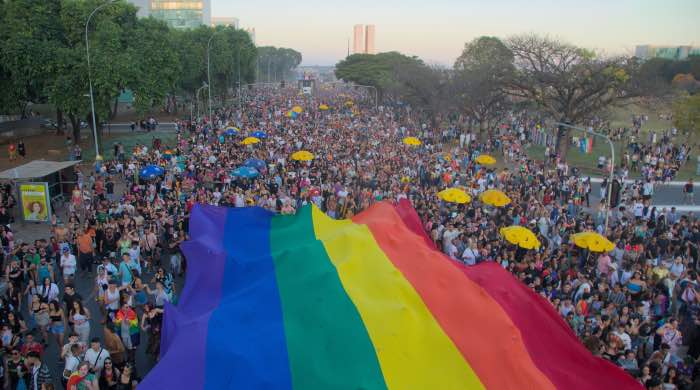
(57, 174)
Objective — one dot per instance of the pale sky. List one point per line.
(436, 30)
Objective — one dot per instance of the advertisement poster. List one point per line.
(35, 202)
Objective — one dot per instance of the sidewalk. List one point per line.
(630, 181)
(683, 208)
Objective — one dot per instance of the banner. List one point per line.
(35, 202)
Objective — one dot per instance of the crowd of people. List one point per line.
(636, 305)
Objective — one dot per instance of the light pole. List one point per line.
(612, 165)
(204, 85)
(211, 119)
(376, 94)
(239, 78)
(92, 99)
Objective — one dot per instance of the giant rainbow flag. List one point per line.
(308, 302)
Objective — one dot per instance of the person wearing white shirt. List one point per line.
(677, 268)
(638, 209)
(68, 264)
(96, 355)
(72, 362)
(622, 335)
(648, 189)
(449, 234)
(470, 254)
(451, 250)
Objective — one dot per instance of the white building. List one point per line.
(177, 13)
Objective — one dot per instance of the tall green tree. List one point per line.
(427, 89)
(277, 64)
(480, 74)
(30, 36)
(154, 64)
(376, 70)
(569, 83)
(686, 114)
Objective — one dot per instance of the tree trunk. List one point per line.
(113, 114)
(23, 110)
(59, 122)
(563, 141)
(75, 123)
(482, 127)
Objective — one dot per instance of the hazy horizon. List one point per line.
(437, 31)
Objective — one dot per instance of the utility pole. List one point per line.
(239, 78)
(268, 69)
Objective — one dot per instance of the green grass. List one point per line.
(619, 117)
(129, 140)
(587, 163)
(622, 116)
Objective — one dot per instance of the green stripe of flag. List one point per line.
(328, 345)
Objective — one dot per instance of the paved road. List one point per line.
(28, 232)
(664, 195)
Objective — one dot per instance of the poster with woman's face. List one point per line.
(35, 201)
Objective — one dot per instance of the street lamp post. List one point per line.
(612, 165)
(92, 98)
(204, 85)
(211, 119)
(239, 77)
(376, 94)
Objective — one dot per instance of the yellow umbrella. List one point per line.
(250, 141)
(592, 241)
(302, 155)
(454, 195)
(494, 198)
(485, 159)
(413, 141)
(323, 107)
(297, 109)
(520, 236)
(349, 103)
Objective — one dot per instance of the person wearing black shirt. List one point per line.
(4, 216)
(109, 188)
(21, 149)
(70, 296)
(16, 369)
(109, 241)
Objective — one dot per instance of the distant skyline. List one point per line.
(437, 30)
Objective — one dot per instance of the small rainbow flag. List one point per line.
(308, 302)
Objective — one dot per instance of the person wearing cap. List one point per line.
(68, 265)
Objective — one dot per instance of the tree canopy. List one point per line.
(376, 70)
(480, 73)
(277, 63)
(686, 114)
(43, 58)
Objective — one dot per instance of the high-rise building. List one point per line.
(251, 33)
(668, 52)
(358, 43)
(224, 21)
(177, 13)
(369, 39)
